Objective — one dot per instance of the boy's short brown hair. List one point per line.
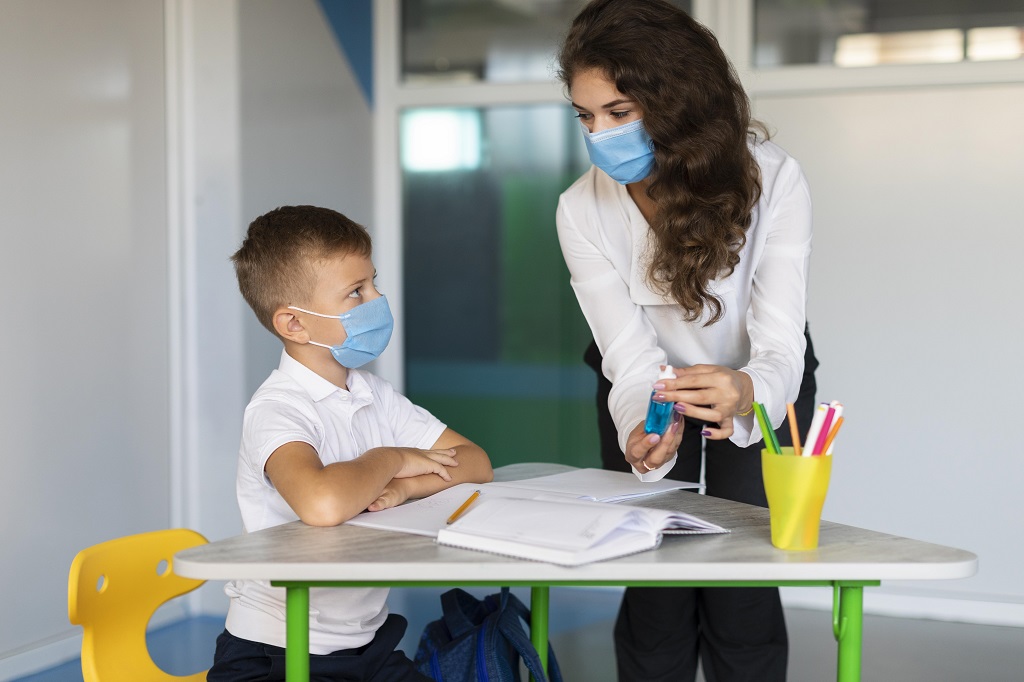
(276, 266)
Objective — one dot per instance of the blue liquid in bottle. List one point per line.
(659, 415)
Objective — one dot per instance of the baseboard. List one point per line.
(891, 602)
(40, 657)
(59, 650)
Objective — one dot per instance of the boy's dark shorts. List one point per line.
(239, 660)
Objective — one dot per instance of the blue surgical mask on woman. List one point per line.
(368, 327)
(625, 153)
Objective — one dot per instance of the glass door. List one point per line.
(486, 141)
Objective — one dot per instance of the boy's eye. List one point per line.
(356, 293)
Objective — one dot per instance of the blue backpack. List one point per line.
(481, 641)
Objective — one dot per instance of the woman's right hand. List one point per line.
(648, 451)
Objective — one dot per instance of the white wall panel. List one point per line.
(914, 309)
(83, 268)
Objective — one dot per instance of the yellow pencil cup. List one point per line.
(796, 488)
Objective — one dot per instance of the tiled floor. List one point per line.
(895, 649)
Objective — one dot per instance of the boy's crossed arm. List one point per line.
(474, 467)
(382, 477)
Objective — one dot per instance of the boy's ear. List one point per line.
(288, 326)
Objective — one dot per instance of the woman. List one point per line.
(688, 244)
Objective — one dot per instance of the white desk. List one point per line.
(297, 557)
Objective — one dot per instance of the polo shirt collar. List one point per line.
(319, 388)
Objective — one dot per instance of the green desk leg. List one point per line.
(848, 628)
(539, 600)
(296, 662)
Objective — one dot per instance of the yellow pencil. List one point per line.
(465, 505)
(791, 413)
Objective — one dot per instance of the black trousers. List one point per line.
(241, 660)
(738, 633)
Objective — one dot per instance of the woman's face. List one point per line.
(599, 104)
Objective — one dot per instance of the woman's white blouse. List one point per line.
(605, 239)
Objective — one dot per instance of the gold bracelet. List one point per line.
(744, 414)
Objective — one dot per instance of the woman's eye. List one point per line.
(620, 114)
(356, 293)
(583, 117)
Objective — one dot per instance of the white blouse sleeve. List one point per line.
(777, 312)
(625, 337)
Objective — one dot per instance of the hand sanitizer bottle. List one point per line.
(659, 415)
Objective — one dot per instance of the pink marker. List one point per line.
(823, 434)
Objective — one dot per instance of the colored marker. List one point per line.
(826, 423)
(793, 433)
(832, 436)
(767, 433)
(835, 418)
(812, 433)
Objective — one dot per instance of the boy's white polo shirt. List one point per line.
(296, 404)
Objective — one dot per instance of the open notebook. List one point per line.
(566, 532)
(428, 516)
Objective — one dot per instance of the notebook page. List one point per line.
(559, 525)
(598, 484)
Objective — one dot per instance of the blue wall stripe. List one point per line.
(351, 21)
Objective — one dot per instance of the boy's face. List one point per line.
(343, 282)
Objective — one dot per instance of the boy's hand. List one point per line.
(415, 462)
(394, 494)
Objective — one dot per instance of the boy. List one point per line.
(322, 441)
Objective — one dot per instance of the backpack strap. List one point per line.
(511, 611)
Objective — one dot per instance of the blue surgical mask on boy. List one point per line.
(368, 327)
(625, 153)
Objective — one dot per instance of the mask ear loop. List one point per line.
(310, 312)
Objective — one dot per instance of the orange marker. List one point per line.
(826, 450)
(791, 413)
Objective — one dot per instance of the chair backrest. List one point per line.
(114, 589)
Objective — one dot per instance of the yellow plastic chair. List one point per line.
(114, 589)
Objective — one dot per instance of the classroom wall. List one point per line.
(119, 118)
(84, 271)
(305, 130)
(914, 311)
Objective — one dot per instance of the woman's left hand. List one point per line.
(711, 393)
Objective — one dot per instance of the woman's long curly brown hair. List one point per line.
(705, 181)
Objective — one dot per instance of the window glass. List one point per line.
(485, 40)
(853, 33)
(494, 336)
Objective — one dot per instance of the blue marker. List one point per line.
(659, 415)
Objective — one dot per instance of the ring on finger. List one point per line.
(647, 467)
